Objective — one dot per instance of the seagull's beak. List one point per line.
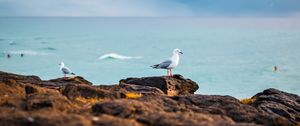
(181, 52)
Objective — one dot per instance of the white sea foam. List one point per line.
(12, 43)
(117, 56)
(25, 52)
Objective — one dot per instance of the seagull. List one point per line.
(65, 70)
(170, 63)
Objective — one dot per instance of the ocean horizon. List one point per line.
(225, 56)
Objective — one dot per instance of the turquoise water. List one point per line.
(226, 56)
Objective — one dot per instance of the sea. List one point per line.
(232, 56)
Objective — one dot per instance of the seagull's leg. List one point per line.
(64, 76)
(167, 72)
(170, 72)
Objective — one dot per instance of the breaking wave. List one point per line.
(117, 56)
(25, 52)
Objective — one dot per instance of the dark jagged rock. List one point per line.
(45, 118)
(226, 106)
(108, 91)
(145, 90)
(54, 83)
(52, 100)
(7, 77)
(12, 94)
(229, 106)
(150, 113)
(172, 86)
(73, 80)
(162, 111)
(30, 89)
(275, 102)
(28, 100)
(86, 91)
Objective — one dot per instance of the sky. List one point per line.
(151, 8)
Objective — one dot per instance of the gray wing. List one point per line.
(65, 70)
(163, 65)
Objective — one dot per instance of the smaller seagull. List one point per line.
(170, 63)
(65, 70)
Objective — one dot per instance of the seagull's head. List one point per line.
(61, 64)
(177, 51)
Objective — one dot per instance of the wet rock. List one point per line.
(275, 102)
(172, 86)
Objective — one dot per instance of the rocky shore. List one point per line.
(158, 101)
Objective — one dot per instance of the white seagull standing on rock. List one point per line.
(169, 64)
(65, 70)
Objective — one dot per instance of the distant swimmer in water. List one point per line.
(22, 54)
(8, 55)
(275, 68)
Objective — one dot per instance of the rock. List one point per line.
(30, 89)
(172, 86)
(12, 94)
(225, 106)
(160, 111)
(10, 78)
(42, 118)
(73, 80)
(52, 101)
(27, 100)
(25, 96)
(282, 104)
(107, 91)
(145, 90)
(6, 77)
(86, 91)
(230, 107)
(108, 120)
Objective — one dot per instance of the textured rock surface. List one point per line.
(172, 86)
(230, 107)
(28, 100)
(275, 102)
(75, 80)
(146, 112)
